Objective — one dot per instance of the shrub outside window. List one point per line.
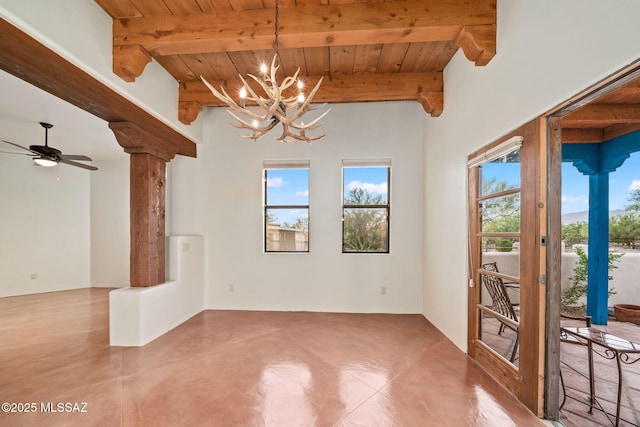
(286, 206)
(365, 206)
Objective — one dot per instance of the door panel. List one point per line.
(498, 205)
(507, 219)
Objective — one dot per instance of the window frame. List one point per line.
(270, 165)
(371, 163)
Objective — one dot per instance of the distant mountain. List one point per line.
(573, 217)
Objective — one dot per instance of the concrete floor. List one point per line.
(235, 368)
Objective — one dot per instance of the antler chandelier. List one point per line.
(274, 107)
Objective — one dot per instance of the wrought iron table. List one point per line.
(615, 348)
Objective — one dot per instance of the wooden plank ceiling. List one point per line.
(367, 50)
(608, 117)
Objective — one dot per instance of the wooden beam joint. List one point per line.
(130, 61)
(188, 111)
(136, 140)
(478, 43)
(432, 102)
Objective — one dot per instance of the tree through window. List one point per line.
(365, 208)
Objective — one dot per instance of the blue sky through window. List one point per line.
(291, 186)
(373, 179)
(575, 186)
(288, 187)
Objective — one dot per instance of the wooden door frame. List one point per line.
(526, 382)
(538, 387)
(554, 232)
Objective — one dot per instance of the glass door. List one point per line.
(498, 207)
(507, 222)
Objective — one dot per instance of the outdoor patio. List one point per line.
(574, 370)
(574, 365)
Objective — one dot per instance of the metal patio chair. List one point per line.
(501, 304)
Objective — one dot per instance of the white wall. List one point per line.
(110, 232)
(139, 315)
(547, 51)
(44, 227)
(624, 282)
(187, 205)
(80, 31)
(324, 279)
(68, 225)
(74, 132)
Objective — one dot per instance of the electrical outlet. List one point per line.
(34, 276)
(232, 288)
(383, 290)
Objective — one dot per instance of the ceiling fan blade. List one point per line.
(75, 157)
(80, 165)
(13, 152)
(20, 146)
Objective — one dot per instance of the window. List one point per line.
(365, 206)
(286, 206)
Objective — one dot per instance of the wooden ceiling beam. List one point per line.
(339, 88)
(617, 130)
(304, 26)
(405, 21)
(597, 134)
(593, 115)
(623, 94)
(575, 136)
(427, 88)
(33, 62)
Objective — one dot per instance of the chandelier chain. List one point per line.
(277, 24)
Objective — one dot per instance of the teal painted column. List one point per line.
(598, 252)
(598, 160)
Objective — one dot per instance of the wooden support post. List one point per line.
(147, 200)
(149, 155)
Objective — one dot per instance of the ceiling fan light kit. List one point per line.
(46, 156)
(43, 161)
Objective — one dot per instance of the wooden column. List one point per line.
(147, 198)
(149, 156)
